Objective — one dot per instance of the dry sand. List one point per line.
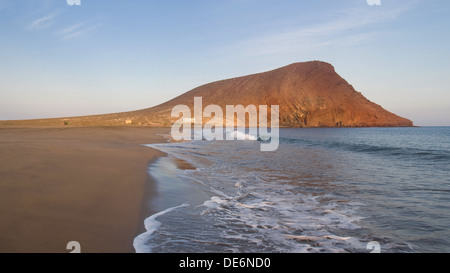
(74, 184)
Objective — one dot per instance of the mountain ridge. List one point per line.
(309, 94)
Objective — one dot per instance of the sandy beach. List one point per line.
(74, 184)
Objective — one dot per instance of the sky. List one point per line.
(106, 56)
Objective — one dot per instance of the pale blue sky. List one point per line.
(118, 55)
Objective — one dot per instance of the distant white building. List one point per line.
(128, 121)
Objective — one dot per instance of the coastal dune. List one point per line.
(88, 185)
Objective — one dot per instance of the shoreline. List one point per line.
(150, 191)
(86, 184)
(169, 196)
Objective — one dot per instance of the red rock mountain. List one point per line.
(309, 94)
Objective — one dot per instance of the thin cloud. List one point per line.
(43, 22)
(352, 27)
(77, 30)
(70, 29)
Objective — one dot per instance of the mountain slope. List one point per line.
(309, 94)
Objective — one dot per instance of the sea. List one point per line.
(323, 190)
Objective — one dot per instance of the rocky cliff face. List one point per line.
(309, 94)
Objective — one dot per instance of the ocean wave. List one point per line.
(322, 198)
(140, 243)
(405, 152)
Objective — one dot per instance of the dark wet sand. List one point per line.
(74, 184)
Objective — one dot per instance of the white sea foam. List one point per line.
(240, 135)
(259, 211)
(141, 242)
(259, 203)
(304, 198)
